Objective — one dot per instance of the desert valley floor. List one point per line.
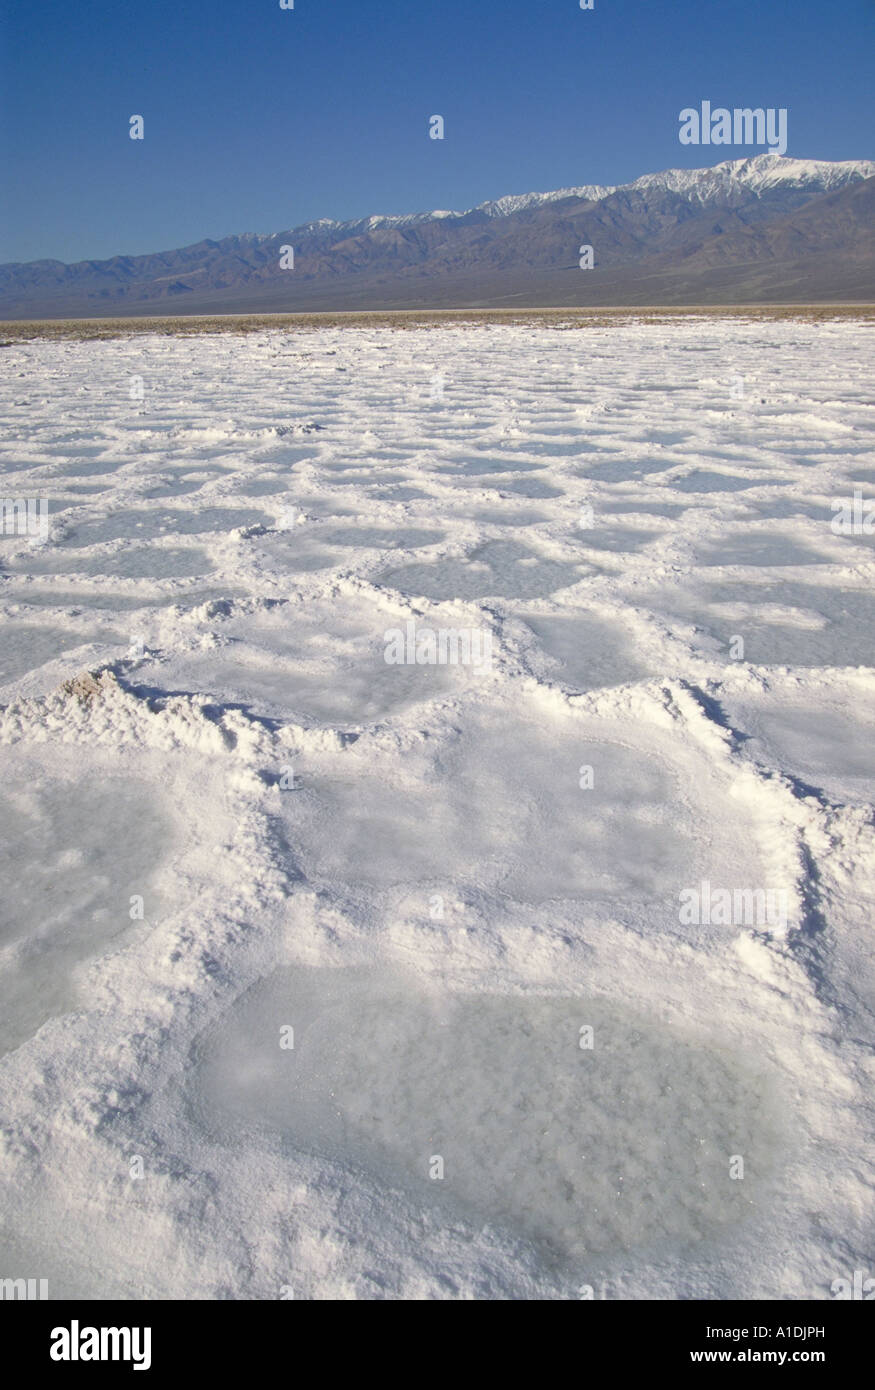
(324, 975)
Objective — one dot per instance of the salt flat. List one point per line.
(329, 976)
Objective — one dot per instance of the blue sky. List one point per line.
(257, 118)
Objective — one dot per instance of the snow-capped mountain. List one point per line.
(496, 207)
(756, 175)
(745, 230)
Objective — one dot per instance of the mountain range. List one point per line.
(768, 229)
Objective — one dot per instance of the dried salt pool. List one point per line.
(572, 1123)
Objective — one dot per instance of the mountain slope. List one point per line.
(745, 230)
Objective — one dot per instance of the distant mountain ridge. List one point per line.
(747, 230)
(755, 174)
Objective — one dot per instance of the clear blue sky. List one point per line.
(257, 118)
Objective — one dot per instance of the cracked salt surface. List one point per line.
(502, 568)
(832, 747)
(620, 539)
(700, 480)
(148, 524)
(759, 548)
(490, 1109)
(29, 646)
(104, 600)
(322, 663)
(74, 870)
(782, 623)
(522, 828)
(590, 653)
(139, 562)
(430, 870)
